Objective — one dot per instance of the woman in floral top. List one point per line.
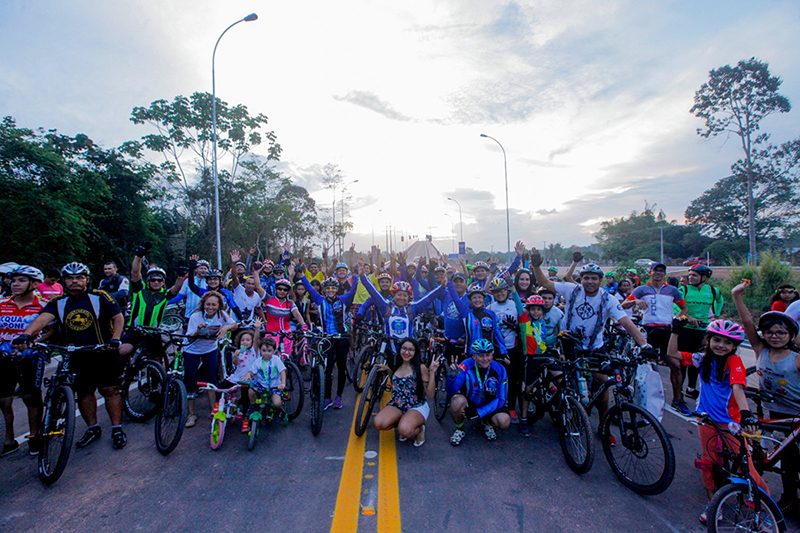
(411, 380)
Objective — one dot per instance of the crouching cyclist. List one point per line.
(480, 390)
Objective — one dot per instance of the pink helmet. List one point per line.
(728, 329)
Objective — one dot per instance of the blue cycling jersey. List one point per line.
(485, 389)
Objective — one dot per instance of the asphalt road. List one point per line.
(295, 482)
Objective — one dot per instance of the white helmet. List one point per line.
(6, 268)
(25, 270)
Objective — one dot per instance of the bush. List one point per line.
(765, 279)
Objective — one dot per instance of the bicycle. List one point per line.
(739, 505)
(262, 413)
(441, 400)
(294, 396)
(143, 378)
(375, 344)
(769, 460)
(226, 410)
(58, 421)
(377, 382)
(316, 348)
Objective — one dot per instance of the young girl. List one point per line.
(208, 323)
(534, 343)
(268, 375)
(408, 410)
(784, 295)
(243, 358)
(721, 393)
(778, 364)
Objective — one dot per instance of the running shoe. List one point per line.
(681, 407)
(488, 431)
(328, 403)
(92, 434)
(692, 393)
(514, 419)
(704, 515)
(458, 436)
(337, 402)
(191, 420)
(10, 448)
(523, 430)
(118, 438)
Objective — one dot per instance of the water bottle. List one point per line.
(583, 389)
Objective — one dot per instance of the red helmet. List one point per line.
(534, 300)
(401, 286)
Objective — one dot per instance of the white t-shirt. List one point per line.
(247, 304)
(794, 310)
(191, 298)
(507, 320)
(246, 357)
(201, 346)
(267, 374)
(585, 312)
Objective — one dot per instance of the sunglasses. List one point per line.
(281, 289)
(158, 280)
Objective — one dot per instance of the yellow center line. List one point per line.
(388, 488)
(348, 500)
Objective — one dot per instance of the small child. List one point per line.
(268, 375)
(534, 336)
(243, 358)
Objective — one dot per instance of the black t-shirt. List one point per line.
(85, 319)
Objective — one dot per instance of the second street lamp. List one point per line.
(505, 171)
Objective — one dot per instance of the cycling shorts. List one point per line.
(454, 352)
(26, 372)
(691, 340)
(96, 370)
(658, 337)
(503, 409)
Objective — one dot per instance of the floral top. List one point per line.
(404, 393)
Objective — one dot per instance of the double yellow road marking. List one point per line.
(348, 500)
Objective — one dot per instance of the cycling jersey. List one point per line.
(586, 315)
(479, 324)
(453, 324)
(399, 321)
(533, 332)
(362, 295)
(367, 310)
(192, 299)
(278, 313)
(716, 397)
(14, 319)
(247, 303)
(700, 302)
(87, 318)
(552, 320)
(659, 303)
(486, 389)
(147, 307)
(49, 292)
(332, 313)
(507, 317)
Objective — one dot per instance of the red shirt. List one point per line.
(14, 319)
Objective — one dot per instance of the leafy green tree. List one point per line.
(735, 100)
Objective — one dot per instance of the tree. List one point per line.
(337, 225)
(735, 100)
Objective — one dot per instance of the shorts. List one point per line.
(503, 409)
(454, 352)
(691, 340)
(658, 337)
(424, 409)
(96, 370)
(261, 389)
(26, 372)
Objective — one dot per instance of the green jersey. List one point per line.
(701, 303)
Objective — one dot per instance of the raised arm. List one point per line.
(377, 298)
(136, 264)
(536, 264)
(235, 258)
(463, 309)
(746, 317)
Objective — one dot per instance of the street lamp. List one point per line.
(341, 246)
(452, 231)
(249, 18)
(505, 170)
(460, 220)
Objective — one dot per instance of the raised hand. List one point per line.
(536, 258)
(252, 251)
(194, 257)
(235, 256)
(740, 288)
(519, 247)
(577, 256)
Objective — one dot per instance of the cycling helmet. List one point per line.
(339, 265)
(480, 264)
(74, 268)
(610, 275)
(440, 269)
(330, 282)
(412, 264)
(32, 272)
(768, 319)
(726, 328)
(482, 346)
(6, 268)
(552, 269)
(401, 286)
(204, 263)
(534, 300)
(703, 270)
(384, 275)
(591, 268)
(283, 282)
(158, 271)
(475, 289)
(498, 284)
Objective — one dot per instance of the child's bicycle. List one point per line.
(262, 412)
(225, 411)
(739, 505)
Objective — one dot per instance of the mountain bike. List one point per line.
(372, 342)
(294, 393)
(441, 400)
(317, 346)
(377, 382)
(143, 378)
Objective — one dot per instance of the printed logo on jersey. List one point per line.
(585, 311)
(491, 386)
(451, 311)
(398, 326)
(486, 323)
(79, 320)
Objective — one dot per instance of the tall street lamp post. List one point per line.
(505, 170)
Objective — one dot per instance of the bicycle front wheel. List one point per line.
(361, 368)
(575, 435)
(317, 390)
(294, 395)
(171, 418)
(58, 429)
(252, 435)
(366, 402)
(735, 509)
(637, 449)
(141, 390)
(440, 396)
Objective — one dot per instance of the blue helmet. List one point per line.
(482, 346)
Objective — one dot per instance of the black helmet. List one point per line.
(703, 270)
(769, 318)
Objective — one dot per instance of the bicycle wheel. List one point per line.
(366, 401)
(141, 390)
(171, 418)
(252, 435)
(575, 435)
(643, 458)
(172, 323)
(317, 390)
(217, 433)
(294, 395)
(362, 367)
(58, 429)
(733, 508)
(440, 396)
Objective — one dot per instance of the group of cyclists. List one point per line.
(497, 325)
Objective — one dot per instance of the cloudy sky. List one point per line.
(589, 99)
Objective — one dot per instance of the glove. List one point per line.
(678, 324)
(748, 418)
(21, 340)
(182, 270)
(143, 248)
(471, 413)
(536, 259)
(192, 264)
(648, 351)
(114, 344)
(576, 257)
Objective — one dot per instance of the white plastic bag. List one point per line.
(648, 392)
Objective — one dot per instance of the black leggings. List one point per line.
(337, 353)
(516, 370)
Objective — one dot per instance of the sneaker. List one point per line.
(523, 429)
(118, 438)
(704, 515)
(33, 446)
(458, 436)
(92, 434)
(420, 440)
(514, 419)
(10, 448)
(337, 402)
(245, 425)
(681, 407)
(488, 430)
(327, 403)
(692, 393)
(191, 420)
